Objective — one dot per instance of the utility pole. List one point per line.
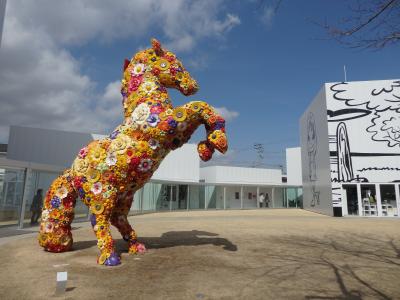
(260, 153)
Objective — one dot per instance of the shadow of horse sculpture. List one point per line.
(170, 239)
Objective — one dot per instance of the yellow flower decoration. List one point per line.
(86, 187)
(80, 166)
(215, 136)
(97, 208)
(97, 154)
(179, 114)
(162, 64)
(163, 116)
(120, 144)
(196, 106)
(92, 175)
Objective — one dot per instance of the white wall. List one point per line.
(180, 165)
(293, 166)
(238, 175)
(365, 115)
(315, 157)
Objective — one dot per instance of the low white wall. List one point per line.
(238, 175)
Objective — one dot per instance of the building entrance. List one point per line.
(352, 199)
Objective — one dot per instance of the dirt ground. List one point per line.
(252, 254)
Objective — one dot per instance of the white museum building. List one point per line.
(33, 158)
(350, 142)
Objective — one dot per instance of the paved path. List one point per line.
(255, 254)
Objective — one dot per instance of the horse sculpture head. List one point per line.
(164, 65)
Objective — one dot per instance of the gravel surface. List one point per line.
(248, 254)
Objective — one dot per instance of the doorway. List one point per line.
(352, 199)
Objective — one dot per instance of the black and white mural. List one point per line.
(312, 149)
(364, 132)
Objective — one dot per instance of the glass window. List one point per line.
(211, 196)
(11, 190)
(368, 198)
(196, 197)
(388, 200)
(237, 195)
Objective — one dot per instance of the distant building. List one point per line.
(2, 16)
(34, 157)
(350, 142)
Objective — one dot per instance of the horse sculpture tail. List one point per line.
(57, 214)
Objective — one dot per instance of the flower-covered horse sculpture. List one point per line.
(106, 173)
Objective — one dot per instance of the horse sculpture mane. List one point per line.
(106, 173)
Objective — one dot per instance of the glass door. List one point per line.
(388, 200)
(352, 199)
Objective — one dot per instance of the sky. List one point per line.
(61, 64)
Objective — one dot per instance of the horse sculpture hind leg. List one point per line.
(120, 221)
(57, 215)
(100, 221)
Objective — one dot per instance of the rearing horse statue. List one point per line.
(107, 172)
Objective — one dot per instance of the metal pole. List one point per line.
(27, 175)
(273, 197)
(397, 199)
(205, 197)
(258, 197)
(224, 197)
(170, 198)
(187, 197)
(287, 202)
(378, 199)
(141, 199)
(241, 197)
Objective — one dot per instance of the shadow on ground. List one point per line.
(168, 240)
(357, 266)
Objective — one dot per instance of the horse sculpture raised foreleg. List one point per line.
(199, 112)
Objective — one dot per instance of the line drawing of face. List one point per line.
(312, 143)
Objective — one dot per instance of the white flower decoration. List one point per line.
(62, 192)
(45, 215)
(96, 188)
(148, 87)
(141, 113)
(138, 69)
(111, 159)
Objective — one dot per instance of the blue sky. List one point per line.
(263, 67)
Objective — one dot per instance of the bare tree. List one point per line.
(372, 24)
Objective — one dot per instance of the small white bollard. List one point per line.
(61, 284)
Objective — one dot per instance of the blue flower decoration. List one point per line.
(55, 202)
(172, 123)
(114, 134)
(153, 120)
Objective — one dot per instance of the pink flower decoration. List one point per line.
(83, 152)
(134, 83)
(140, 248)
(155, 109)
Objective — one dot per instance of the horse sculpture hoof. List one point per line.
(112, 260)
(137, 248)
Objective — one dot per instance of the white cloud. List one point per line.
(227, 114)
(182, 22)
(42, 84)
(267, 15)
